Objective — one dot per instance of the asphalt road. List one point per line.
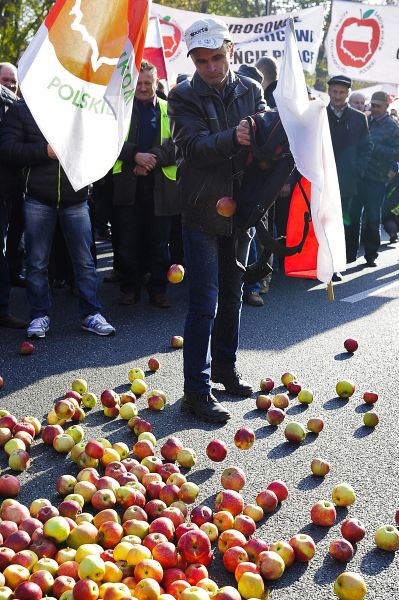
(297, 330)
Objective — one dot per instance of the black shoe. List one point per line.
(393, 239)
(230, 378)
(160, 300)
(12, 322)
(114, 277)
(18, 281)
(337, 276)
(371, 263)
(205, 407)
(253, 299)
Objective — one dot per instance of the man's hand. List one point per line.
(140, 171)
(51, 153)
(242, 133)
(146, 160)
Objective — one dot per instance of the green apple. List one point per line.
(89, 400)
(76, 432)
(371, 419)
(305, 396)
(57, 529)
(387, 538)
(295, 432)
(79, 385)
(128, 411)
(343, 494)
(345, 388)
(135, 374)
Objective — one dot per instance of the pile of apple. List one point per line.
(124, 527)
(16, 437)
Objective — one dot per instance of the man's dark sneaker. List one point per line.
(128, 299)
(371, 263)
(393, 239)
(336, 277)
(205, 407)
(12, 322)
(230, 378)
(252, 298)
(160, 300)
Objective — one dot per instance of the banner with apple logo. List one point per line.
(253, 38)
(362, 42)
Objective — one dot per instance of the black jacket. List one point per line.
(384, 135)
(23, 145)
(165, 190)
(351, 143)
(209, 161)
(7, 98)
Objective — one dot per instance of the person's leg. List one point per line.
(251, 290)
(4, 270)
(201, 253)
(158, 254)
(352, 229)
(15, 252)
(372, 216)
(127, 227)
(40, 221)
(76, 227)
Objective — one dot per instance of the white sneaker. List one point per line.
(38, 327)
(97, 324)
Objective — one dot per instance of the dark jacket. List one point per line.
(7, 98)
(351, 144)
(165, 190)
(210, 162)
(22, 144)
(384, 135)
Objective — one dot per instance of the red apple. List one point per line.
(201, 514)
(280, 489)
(351, 345)
(233, 556)
(352, 529)
(370, 397)
(233, 478)
(319, 467)
(245, 525)
(323, 513)
(9, 486)
(153, 364)
(226, 206)
(176, 341)
(229, 500)
(175, 273)
(315, 424)
(267, 500)
(244, 438)
(270, 565)
(170, 448)
(254, 547)
(266, 384)
(303, 546)
(194, 546)
(229, 538)
(28, 590)
(263, 402)
(275, 416)
(341, 550)
(294, 387)
(216, 450)
(26, 348)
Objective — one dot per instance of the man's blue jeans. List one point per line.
(74, 220)
(212, 325)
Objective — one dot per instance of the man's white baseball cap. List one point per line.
(206, 33)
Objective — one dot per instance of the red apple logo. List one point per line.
(171, 36)
(357, 40)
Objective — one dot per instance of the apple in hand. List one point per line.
(345, 388)
(341, 550)
(350, 586)
(387, 538)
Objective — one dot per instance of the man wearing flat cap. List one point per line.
(208, 127)
(351, 145)
(384, 135)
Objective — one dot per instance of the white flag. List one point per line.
(307, 128)
(78, 77)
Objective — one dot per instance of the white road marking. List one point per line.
(371, 292)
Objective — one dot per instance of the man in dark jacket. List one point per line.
(7, 98)
(145, 195)
(212, 138)
(351, 144)
(384, 135)
(50, 196)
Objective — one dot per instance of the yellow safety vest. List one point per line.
(170, 171)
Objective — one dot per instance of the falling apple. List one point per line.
(216, 450)
(177, 341)
(1, 382)
(175, 273)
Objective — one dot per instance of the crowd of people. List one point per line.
(157, 204)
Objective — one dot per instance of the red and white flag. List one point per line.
(307, 128)
(78, 77)
(154, 51)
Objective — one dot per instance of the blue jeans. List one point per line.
(212, 325)
(74, 220)
(252, 258)
(369, 201)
